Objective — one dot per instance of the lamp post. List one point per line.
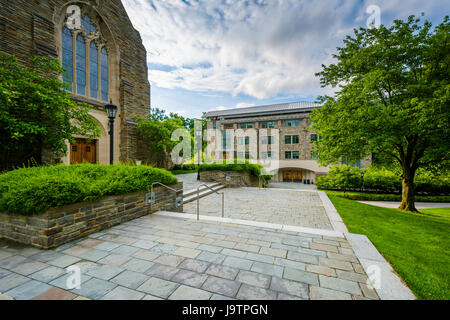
(198, 133)
(362, 180)
(111, 111)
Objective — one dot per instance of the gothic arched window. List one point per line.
(67, 58)
(89, 75)
(81, 65)
(93, 66)
(104, 75)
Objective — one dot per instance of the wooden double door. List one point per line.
(83, 151)
(292, 176)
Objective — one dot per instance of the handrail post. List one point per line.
(223, 204)
(198, 203)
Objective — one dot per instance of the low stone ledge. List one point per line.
(58, 226)
(231, 179)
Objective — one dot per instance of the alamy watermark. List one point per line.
(73, 17)
(374, 20)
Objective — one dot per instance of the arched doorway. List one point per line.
(83, 151)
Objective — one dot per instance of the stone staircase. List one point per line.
(191, 195)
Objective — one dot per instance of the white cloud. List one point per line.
(244, 105)
(220, 108)
(258, 48)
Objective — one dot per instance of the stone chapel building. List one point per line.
(105, 60)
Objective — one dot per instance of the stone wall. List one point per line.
(33, 28)
(62, 225)
(236, 178)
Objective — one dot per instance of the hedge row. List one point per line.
(364, 196)
(29, 191)
(381, 180)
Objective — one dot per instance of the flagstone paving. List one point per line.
(187, 259)
(286, 207)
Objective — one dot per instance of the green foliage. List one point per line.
(393, 98)
(415, 244)
(157, 133)
(382, 180)
(364, 196)
(33, 190)
(340, 178)
(255, 169)
(36, 111)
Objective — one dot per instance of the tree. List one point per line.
(156, 129)
(36, 112)
(393, 99)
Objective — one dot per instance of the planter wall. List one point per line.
(62, 225)
(236, 178)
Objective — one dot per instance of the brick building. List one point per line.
(104, 57)
(276, 134)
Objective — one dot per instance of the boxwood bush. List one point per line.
(34, 190)
(382, 180)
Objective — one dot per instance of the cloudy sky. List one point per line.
(216, 54)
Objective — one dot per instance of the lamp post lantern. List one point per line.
(198, 133)
(111, 111)
(362, 180)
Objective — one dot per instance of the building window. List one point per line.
(267, 155)
(93, 66)
(243, 140)
(295, 155)
(81, 65)
(226, 140)
(243, 155)
(246, 125)
(356, 164)
(291, 139)
(268, 124)
(86, 51)
(104, 74)
(314, 137)
(214, 124)
(288, 155)
(267, 140)
(67, 58)
(292, 123)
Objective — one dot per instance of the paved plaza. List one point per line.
(279, 206)
(157, 257)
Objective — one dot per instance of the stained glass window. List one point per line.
(67, 57)
(104, 74)
(81, 65)
(84, 54)
(93, 66)
(87, 25)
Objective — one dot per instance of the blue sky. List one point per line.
(222, 54)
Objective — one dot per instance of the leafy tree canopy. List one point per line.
(35, 110)
(392, 99)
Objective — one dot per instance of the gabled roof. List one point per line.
(282, 108)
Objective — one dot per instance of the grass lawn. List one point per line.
(416, 245)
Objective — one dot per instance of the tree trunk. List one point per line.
(408, 197)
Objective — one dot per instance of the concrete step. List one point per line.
(204, 193)
(203, 188)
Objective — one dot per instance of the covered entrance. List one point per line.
(83, 151)
(292, 176)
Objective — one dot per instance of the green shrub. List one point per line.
(340, 178)
(382, 180)
(29, 191)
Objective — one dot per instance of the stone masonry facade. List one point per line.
(33, 28)
(236, 179)
(58, 226)
(281, 122)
